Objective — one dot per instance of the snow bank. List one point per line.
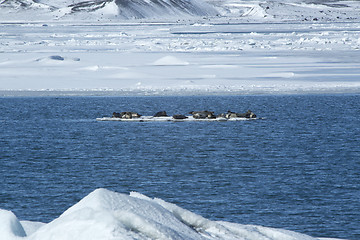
(170, 61)
(104, 215)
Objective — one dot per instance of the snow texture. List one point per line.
(106, 215)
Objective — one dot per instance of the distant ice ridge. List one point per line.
(120, 9)
(106, 215)
(216, 10)
(288, 11)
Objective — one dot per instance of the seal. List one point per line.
(202, 114)
(179, 116)
(129, 115)
(161, 114)
(116, 115)
(248, 114)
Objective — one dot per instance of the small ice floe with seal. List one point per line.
(195, 116)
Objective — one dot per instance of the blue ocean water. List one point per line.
(298, 168)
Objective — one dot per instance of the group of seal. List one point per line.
(228, 115)
(195, 115)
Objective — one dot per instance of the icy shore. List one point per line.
(163, 59)
(230, 47)
(106, 215)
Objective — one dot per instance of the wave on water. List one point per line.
(104, 214)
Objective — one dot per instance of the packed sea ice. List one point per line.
(108, 215)
(211, 47)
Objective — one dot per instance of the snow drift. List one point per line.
(104, 214)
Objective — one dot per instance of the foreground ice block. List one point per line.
(10, 227)
(107, 215)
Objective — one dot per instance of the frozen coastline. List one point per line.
(247, 48)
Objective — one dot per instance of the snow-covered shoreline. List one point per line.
(237, 51)
(207, 59)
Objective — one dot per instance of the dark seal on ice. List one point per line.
(179, 116)
(248, 114)
(116, 115)
(129, 115)
(161, 114)
(202, 114)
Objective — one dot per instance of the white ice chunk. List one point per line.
(107, 215)
(10, 227)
